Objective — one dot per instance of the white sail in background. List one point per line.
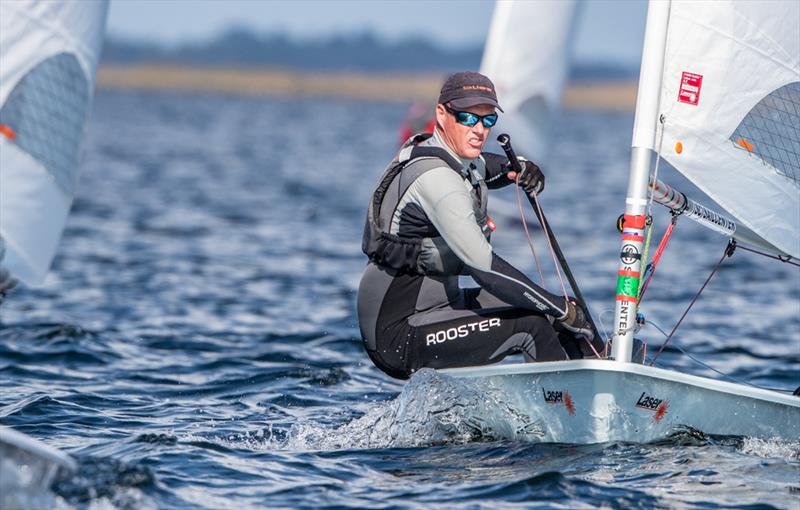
(527, 57)
(48, 58)
(730, 99)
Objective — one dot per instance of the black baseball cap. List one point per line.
(466, 89)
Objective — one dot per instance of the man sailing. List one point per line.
(427, 224)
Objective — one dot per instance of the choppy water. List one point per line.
(196, 345)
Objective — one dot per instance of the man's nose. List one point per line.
(479, 128)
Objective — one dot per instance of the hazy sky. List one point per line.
(609, 30)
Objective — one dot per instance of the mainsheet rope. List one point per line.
(549, 244)
(527, 234)
(546, 235)
(786, 260)
(728, 252)
(705, 365)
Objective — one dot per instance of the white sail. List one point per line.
(49, 53)
(589, 401)
(527, 57)
(730, 100)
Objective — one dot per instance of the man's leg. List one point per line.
(477, 298)
(456, 338)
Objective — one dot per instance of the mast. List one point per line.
(642, 147)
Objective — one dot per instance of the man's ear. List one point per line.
(440, 114)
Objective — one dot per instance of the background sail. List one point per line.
(527, 57)
(49, 52)
(730, 98)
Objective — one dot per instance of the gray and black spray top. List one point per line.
(417, 253)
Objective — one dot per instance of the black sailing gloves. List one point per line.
(532, 178)
(576, 322)
(499, 173)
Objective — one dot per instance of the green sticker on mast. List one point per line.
(628, 286)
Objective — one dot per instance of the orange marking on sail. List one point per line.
(6, 130)
(678, 147)
(744, 143)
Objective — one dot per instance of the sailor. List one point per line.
(427, 224)
(421, 118)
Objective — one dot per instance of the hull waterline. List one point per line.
(594, 401)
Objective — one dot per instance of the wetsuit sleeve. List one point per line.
(447, 203)
(495, 172)
(512, 286)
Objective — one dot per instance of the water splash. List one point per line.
(771, 448)
(433, 409)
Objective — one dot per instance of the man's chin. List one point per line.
(472, 152)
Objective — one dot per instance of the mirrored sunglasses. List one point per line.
(470, 119)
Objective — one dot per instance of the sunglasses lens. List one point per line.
(489, 120)
(467, 118)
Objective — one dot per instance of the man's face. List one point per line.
(465, 141)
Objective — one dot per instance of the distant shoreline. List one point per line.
(620, 95)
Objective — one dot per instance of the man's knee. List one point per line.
(538, 325)
(548, 346)
(393, 366)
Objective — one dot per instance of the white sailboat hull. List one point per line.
(594, 401)
(28, 467)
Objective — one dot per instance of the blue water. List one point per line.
(196, 344)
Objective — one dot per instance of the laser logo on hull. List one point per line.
(658, 405)
(559, 397)
(553, 397)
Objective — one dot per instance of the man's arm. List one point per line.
(496, 170)
(447, 203)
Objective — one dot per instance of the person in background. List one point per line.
(427, 223)
(421, 118)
